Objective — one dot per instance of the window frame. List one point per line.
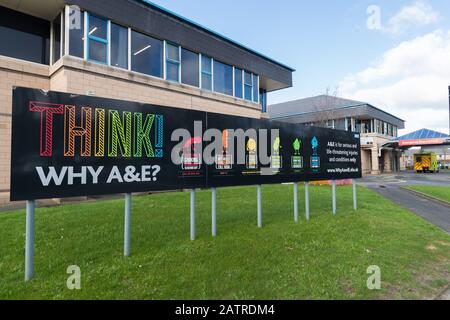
(53, 58)
(106, 41)
(67, 33)
(246, 85)
(169, 61)
(128, 55)
(255, 87)
(234, 83)
(181, 68)
(263, 102)
(210, 75)
(166, 61)
(232, 78)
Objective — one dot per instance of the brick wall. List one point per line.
(14, 73)
(83, 77)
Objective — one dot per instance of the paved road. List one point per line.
(389, 187)
(409, 179)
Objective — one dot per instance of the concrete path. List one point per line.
(431, 211)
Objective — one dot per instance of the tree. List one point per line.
(325, 108)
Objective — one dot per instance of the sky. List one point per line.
(394, 54)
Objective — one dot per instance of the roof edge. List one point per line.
(211, 32)
(343, 107)
(441, 135)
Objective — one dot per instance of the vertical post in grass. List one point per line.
(333, 187)
(127, 229)
(296, 202)
(307, 200)
(29, 240)
(192, 214)
(259, 196)
(355, 200)
(213, 212)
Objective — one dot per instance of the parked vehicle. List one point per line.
(426, 162)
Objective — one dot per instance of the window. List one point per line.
(172, 62)
(76, 33)
(263, 100)
(349, 122)
(146, 54)
(255, 88)
(119, 46)
(248, 86)
(238, 83)
(339, 124)
(223, 78)
(206, 73)
(97, 39)
(190, 68)
(56, 39)
(378, 126)
(358, 125)
(24, 37)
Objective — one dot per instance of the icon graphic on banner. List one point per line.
(252, 158)
(297, 159)
(315, 159)
(192, 157)
(224, 161)
(277, 160)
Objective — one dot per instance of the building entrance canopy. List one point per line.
(423, 137)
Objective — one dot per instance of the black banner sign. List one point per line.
(66, 145)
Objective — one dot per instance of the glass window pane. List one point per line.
(248, 86)
(189, 68)
(238, 83)
(263, 100)
(98, 51)
(206, 64)
(97, 27)
(173, 52)
(76, 33)
(206, 82)
(248, 92)
(255, 88)
(248, 78)
(119, 46)
(206, 73)
(172, 71)
(339, 124)
(24, 37)
(223, 78)
(57, 38)
(146, 54)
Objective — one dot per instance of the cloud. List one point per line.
(410, 81)
(416, 15)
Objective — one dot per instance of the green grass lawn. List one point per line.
(325, 258)
(442, 193)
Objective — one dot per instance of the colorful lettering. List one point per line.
(99, 144)
(71, 131)
(119, 133)
(47, 110)
(142, 135)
